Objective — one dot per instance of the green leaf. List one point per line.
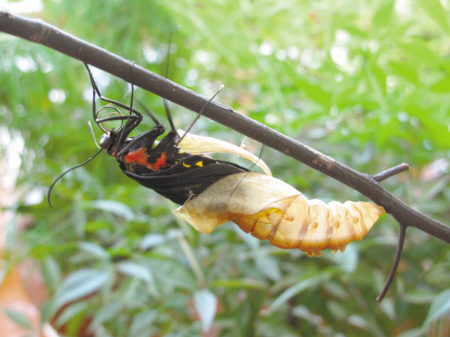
(383, 15)
(419, 298)
(419, 53)
(240, 283)
(358, 321)
(70, 312)
(295, 290)
(348, 260)
(136, 270)
(107, 312)
(51, 272)
(18, 317)
(95, 225)
(388, 307)
(436, 12)
(441, 86)
(404, 69)
(336, 310)
(111, 206)
(79, 284)
(94, 249)
(206, 306)
(439, 308)
(151, 240)
(143, 322)
(267, 265)
(417, 332)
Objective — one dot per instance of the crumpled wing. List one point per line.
(269, 208)
(200, 145)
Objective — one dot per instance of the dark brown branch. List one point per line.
(398, 254)
(52, 37)
(391, 172)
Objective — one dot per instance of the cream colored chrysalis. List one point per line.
(268, 208)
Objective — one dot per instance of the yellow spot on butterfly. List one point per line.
(186, 165)
(155, 143)
(200, 164)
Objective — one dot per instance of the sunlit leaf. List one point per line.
(240, 283)
(136, 270)
(441, 86)
(79, 284)
(388, 307)
(417, 332)
(336, 310)
(111, 206)
(206, 306)
(436, 12)
(142, 323)
(384, 13)
(348, 260)
(51, 272)
(267, 265)
(107, 312)
(18, 317)
(70, 311)
(295, 290)
(418, 52)
(357, 320)
(439, 308)
(151, 240)
(94, 249)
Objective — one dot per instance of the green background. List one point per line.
(365, 82)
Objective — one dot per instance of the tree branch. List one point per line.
(40, 32)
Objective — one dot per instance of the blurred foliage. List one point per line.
(366, 82)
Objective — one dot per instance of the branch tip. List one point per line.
(391, 172)
(398, 253)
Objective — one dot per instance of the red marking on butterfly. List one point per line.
(141, 157)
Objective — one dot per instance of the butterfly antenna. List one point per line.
(169, 115)
(250, 170)
(94, 85)
(131, 108)
(259, 158)
(147, 111)
(93, 135)
(200, 113)
(166, 75)
(62, 175)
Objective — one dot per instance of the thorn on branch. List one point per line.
(398, 253)
(391, 172)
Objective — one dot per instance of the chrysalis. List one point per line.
(269, 208)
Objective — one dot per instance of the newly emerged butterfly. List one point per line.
(175, 166)
(212, 191)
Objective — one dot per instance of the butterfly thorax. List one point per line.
(149, 156)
